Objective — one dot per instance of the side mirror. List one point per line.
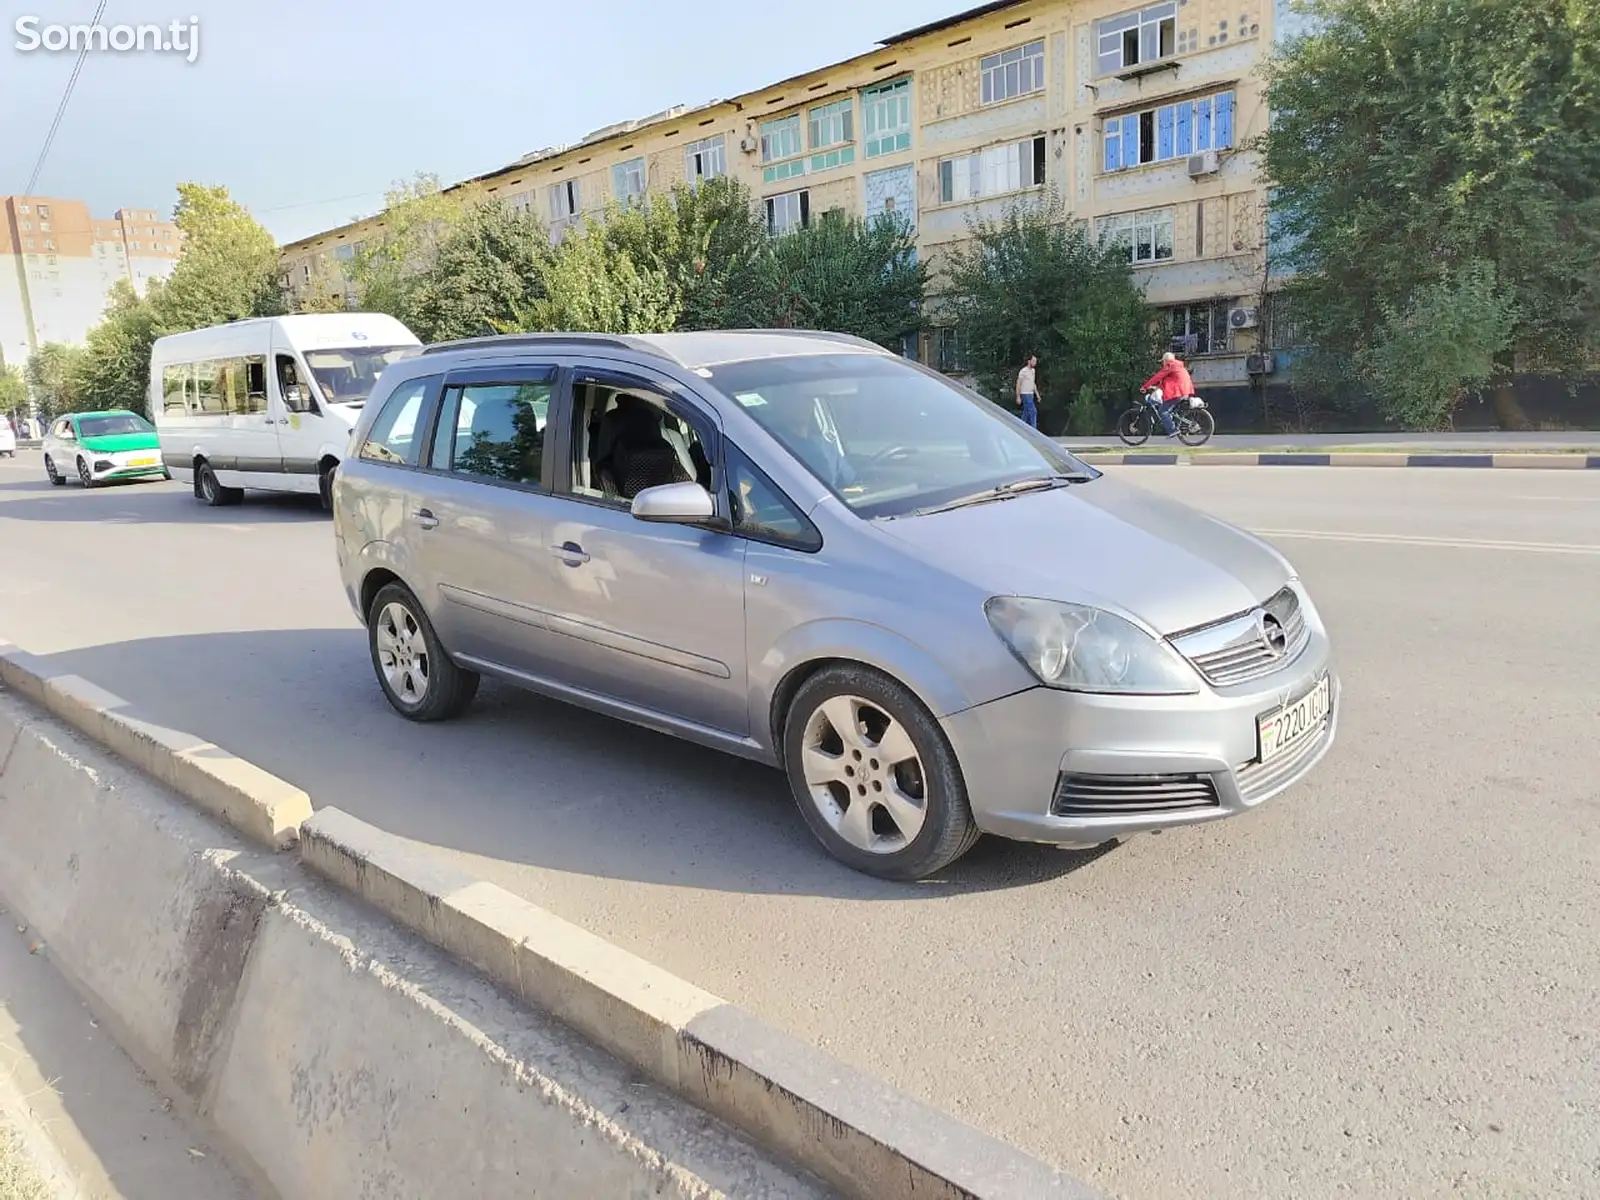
(674, 504)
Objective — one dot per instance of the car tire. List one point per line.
(325, 486)
(209, 490)
(166, 476)
(85, 476)
(55, 476)
(830, 772)
(418, 677)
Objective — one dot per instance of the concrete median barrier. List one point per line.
(331, 1054)
(249, 983)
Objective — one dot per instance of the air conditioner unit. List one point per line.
(1204, 163)
(1243, 318)
(749, 145)
(1260, 364)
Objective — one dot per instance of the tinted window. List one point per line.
(763, 512)
(393, 437)
(885, 437)
(494, 431)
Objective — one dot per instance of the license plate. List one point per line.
(142, 462)
(1283, 729)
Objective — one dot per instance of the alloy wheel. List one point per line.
(864, 775)
(403, 653)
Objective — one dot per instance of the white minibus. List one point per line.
(268, 403)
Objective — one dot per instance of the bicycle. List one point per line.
(1191, 418)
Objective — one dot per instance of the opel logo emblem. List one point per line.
(1272, 634)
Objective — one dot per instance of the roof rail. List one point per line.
(513, 340)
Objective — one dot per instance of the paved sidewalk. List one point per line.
(1567, 442)
(89, 1125)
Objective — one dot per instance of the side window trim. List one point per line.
(446, 401)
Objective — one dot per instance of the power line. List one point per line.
(314, 203)
(61, 109)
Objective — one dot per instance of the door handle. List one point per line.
(570, 553)
(425, 518)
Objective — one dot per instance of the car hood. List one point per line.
(117, 442)
(1105, 543)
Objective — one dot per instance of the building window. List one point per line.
(627, 180)
(886, 117)
(995, 171)
(344, 253)
(44, 226)
(23, 208)
(1147, 236)
(1012, 73)
(705, 159)
(1136, 38)
(1171, 131)
(27, 243)
(833, 131)
(782, 140)
(44, 210)
(50, 260)
(948, 352)
(137, 246)
(27, 226)
(788, 212)
(1198, 329)
(563, 199)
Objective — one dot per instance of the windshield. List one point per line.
(347, 375)
(99, 427)
(886, 438)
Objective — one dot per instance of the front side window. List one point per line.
(884, 436)
(393, 437)
(347, 375)
(494, 431)
(626, 439)
(1012, 73)
(760, 510)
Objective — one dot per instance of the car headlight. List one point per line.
(1083, 649)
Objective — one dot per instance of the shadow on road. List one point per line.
(520, 778)
(143, 502)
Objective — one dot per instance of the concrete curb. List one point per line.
(332, 1055)
(859, 1135)
(1228, 458)
(259, 805)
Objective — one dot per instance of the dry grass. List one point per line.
(18, 1181)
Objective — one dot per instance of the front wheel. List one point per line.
(874, 776)
(418, 677)
(1196, 426)
(1133, 426)
(85, 476)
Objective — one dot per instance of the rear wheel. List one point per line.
(874, 776)
(55, 476)
(208, 488)
(1195, 426)
(1133, 426)
(418, 677)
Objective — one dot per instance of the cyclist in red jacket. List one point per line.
(1175, 384)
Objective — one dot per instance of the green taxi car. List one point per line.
(98, 447)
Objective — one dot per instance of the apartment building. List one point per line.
(1139, 118)
(58, 264)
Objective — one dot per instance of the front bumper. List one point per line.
(124, 465)
(1144, 762)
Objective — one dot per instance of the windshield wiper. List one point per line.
(1006, 491)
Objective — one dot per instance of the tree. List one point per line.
(52, 378)
(1035, 282)
(593, 286)
(13, 390)
(846, 275)
(417, 218)
(1412, 141)
(487, 269)
(229, 267)
(113, 368)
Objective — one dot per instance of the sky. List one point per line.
(308, 111)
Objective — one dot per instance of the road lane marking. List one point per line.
(1397, 539)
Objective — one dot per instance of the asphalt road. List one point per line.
(1381, 984)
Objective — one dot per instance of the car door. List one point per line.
(651, 615)
(482, 535)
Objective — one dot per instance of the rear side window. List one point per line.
(494, 431)
(394, 437)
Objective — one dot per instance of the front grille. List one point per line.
(1258, 780)
(1122, 795)
(1235, 650)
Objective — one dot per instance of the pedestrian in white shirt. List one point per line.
(1028, 391)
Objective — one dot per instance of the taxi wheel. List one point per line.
(84, 476)
(55, 476)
